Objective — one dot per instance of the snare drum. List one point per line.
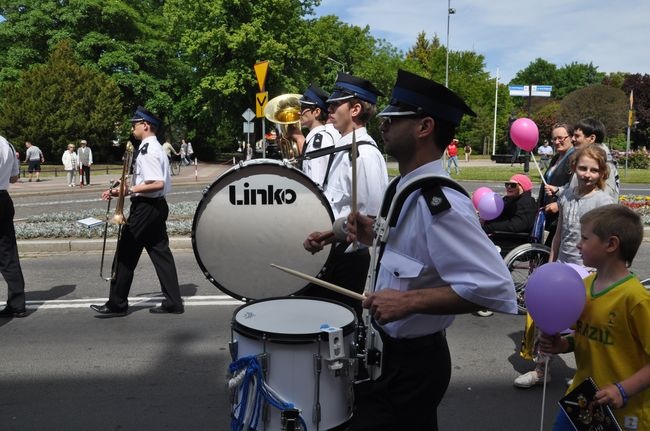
(304, 364)
(258, 213)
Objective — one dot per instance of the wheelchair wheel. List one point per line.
(521, 262)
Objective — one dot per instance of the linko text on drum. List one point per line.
(262, 196)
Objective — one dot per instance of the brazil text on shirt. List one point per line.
(594, 333)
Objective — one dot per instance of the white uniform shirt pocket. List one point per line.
(400, 271)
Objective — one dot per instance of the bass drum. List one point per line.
(255, 214)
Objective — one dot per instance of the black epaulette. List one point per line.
(144, 148)
(435, 199)
(318, 141)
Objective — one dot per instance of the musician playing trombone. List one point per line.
(146, 227)
(435, 263)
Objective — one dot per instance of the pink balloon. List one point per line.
(490, 206)
(555, 297)
(581, 270)
(478, 194)
(524, 134)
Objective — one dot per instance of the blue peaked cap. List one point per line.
(348, 87)
(315, 96)
(414, 94)
(141, 114)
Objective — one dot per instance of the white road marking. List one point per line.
(133, 301)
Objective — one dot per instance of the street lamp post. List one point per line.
(450, 12)
(337, 62)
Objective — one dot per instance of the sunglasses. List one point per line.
(510, 185)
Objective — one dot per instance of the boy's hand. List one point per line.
(609, 395)
(552, 343)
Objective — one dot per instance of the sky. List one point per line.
(510, 34)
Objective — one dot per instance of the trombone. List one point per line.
(117, 218)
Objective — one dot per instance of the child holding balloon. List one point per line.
(590, 167)
(611, 341)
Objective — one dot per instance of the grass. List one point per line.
(503, 171)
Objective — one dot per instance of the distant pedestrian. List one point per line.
(249, 152)
(468, 152)
(85, 156)
(190, 151)
(9, 260)
(452, 156)
(545, 152)
(70, 165)
(33, 158)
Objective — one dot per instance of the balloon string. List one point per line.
(541, 424)
(541, 175)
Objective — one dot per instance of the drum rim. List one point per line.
(283, 338)
(232, 171)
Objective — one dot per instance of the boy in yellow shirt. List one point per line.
(611, 341)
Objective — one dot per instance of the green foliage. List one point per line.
(636, 160)
(640, 84)
(60, 102)
(608, 104)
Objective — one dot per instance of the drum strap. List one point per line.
(347, 148)
(431, 187)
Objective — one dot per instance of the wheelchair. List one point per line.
(523, 253)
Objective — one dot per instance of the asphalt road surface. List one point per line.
(64, 368)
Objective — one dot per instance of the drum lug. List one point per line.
(233, 346)
(290, 420)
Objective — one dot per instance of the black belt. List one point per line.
(146, 199)
(413, 345)
(4, 192)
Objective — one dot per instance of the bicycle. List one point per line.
(523, 259)
(175, 164)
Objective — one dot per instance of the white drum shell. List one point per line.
(291, 366)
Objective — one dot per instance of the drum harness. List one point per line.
(391, 206)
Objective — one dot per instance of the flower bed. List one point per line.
(640, 204)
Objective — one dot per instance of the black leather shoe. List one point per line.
(104, 310)
(8, 312)
(164, 310)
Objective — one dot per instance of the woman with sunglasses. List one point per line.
(558, 174)
(517, 217)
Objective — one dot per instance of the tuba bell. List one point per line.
(284, 110)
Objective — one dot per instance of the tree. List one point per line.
(608, 104)
(60, 102)
(574, 76)
(538, 72)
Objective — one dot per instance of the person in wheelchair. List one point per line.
(514, 225)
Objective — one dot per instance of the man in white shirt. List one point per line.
(351, 105)
(435, 261)
(146, 227)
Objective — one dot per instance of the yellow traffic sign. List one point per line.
(260, 103)
(260, 72)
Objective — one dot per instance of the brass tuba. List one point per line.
(284, 110)
(118, 218)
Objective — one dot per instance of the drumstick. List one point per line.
(321, 283)
(538, 169)
(355, 153)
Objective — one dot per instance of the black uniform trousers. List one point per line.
(146, 229)
(415, 376)
(348, 270)
(9, 261)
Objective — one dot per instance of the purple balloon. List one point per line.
(490, 206)
(581, 270)
(478, 194)
(555, 297)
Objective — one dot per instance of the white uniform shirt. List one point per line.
(372, 177)
(450, 248)
(323, 138)
(152, 165)
(8, 163)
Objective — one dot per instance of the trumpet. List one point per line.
(117, 218)
(284, 110)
